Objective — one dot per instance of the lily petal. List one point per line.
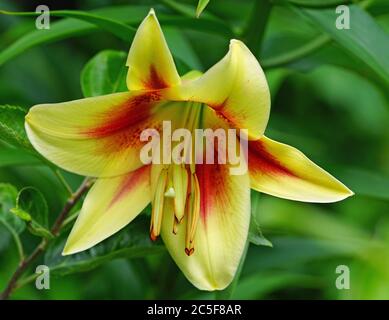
(110, 205)
(285, 172)
(236, 88)
(151, 65)
(208, 241)
(222, 227)
(97, 136)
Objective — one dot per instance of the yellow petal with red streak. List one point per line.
(235, 87)
(283, 171)
(208, 243)
(150, 62)
(98, 136)
(221, 231)
(110, 205)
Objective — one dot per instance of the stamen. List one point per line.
(192, 214)
(180, 184)
(158, 204)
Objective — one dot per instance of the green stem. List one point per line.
(55, 230)
(255, 28)
(16, 239)
(62, 181)
(26, 281)
(70, 219)
(296, 54)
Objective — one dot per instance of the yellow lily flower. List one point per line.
(201, 211)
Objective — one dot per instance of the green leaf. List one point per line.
(207, 26)
(201, 5)
(312, 222)
(39, 231)
(12, 126)
(10, 225)
(16, 157)
(8, 194)
(183, 51)
(365, 39)
(316, 3)
(31, 206)
(119, 29)
(330, 54)
(376, 7)
(69, 27)
(259, 285)
(181, 8)
(32, 201)
(364, 182)
(132, 241)
(105, 73)
(21, 214)
(255, 233)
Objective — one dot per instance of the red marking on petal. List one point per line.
(228, 118)
(129, 138)
(233, 120)
(121, 126)
(134, 110)
(219, 106)
(155, 81)
(214, 187)
(129, 182)
(260, 160)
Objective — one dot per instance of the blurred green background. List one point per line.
(331, 101)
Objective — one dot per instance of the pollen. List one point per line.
(189, 252)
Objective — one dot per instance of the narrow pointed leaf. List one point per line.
(202, 4)
(131, 14)
(255, 233)
(314, 3)
(119, 29)
(365, 39)
(71, 27)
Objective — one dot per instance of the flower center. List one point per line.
(179, 184)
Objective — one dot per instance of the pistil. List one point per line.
(192, 214)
